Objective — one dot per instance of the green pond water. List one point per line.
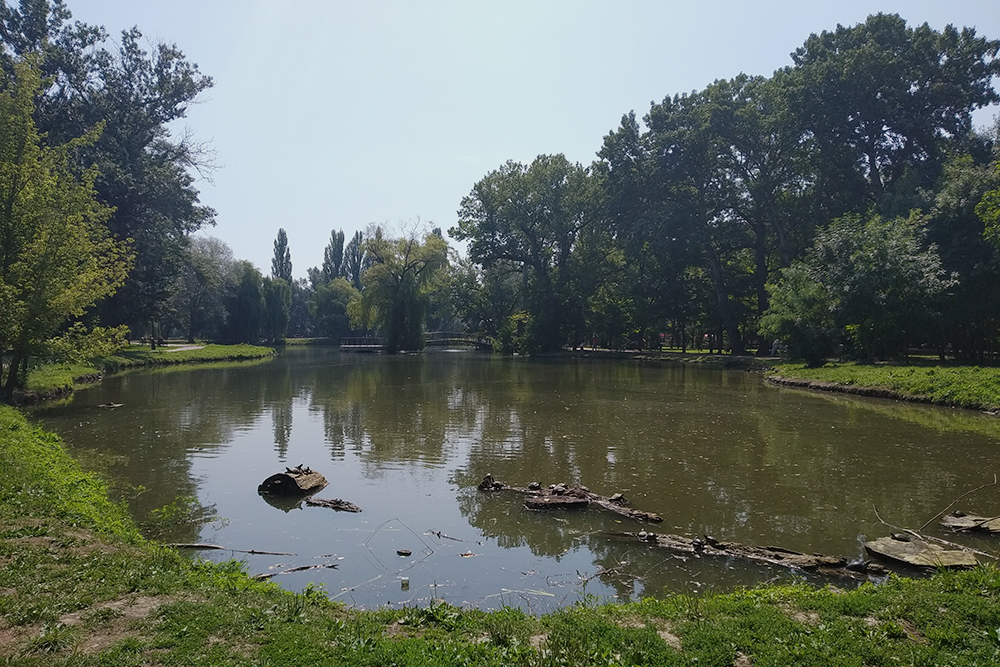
(408, 438)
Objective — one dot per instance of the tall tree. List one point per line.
(355, 260)
(531, 216)
(333, 257)
(281, 263)
(883, 101)
(56, 257)
(277, 305)
(144, 169)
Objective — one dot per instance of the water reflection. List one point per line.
(409, 437)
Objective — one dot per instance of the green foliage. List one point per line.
(531, 216)
(333, 257)
(868, 282)
(57, 258)
(800, 315)
(50, 483)
(988, 210)
(245, 306)
(198, 299)
(78, 344)
(281, 263)
(329, 308)
(397, 287)
(518, 334)
(277, 306)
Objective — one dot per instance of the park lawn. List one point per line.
(50, 380)
(80, 586)
(973, 387)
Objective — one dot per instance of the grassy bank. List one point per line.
(79, 586)
(52, 380)
(972, 387)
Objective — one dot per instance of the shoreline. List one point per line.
(80, 586)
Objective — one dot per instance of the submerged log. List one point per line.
(971, 522)
(335, 504)
(913, 551)
(709, 546)
(564, 496)
(297, 481)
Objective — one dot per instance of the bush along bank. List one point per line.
(972, 387)
(80, 586)
(50, 381)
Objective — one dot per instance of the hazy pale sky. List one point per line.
(333, 115)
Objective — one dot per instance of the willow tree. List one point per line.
(397, 286)
(56, 256)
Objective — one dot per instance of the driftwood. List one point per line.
(709, 546)
(335, 504)
(904, 548)
(297, 481)
(300, 568)
(561, 496)
(971, 523)
(242, 551)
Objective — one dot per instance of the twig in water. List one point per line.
(240, 551)
(964, 495)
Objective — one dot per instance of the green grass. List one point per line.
(80, 586)
(53, 380)
(960, 386)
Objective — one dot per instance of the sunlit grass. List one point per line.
(961, 386)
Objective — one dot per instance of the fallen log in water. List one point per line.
(335, 504)
(561, 496)
(709, 546)
(971, 522)
(297, 481)
(907, 549)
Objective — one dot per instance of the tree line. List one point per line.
(831, 205)
(843, 204)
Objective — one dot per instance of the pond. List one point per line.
(408, 438)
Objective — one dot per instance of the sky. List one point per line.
(327, 114)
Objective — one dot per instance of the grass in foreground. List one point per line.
(972, 387)
(79, 586)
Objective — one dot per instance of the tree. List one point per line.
(801, 315)
(56, 257)
(531, 216)
(245, 305)
(884, 102)
(281, 263)
(329, 308)
(988, 210)
(396, 286)
(144, 169)
(333, 257)
(355, 260)
(277, 304)
(873, 277)
(971, 314)
(198, 294)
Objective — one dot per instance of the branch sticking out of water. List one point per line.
(952, 504)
